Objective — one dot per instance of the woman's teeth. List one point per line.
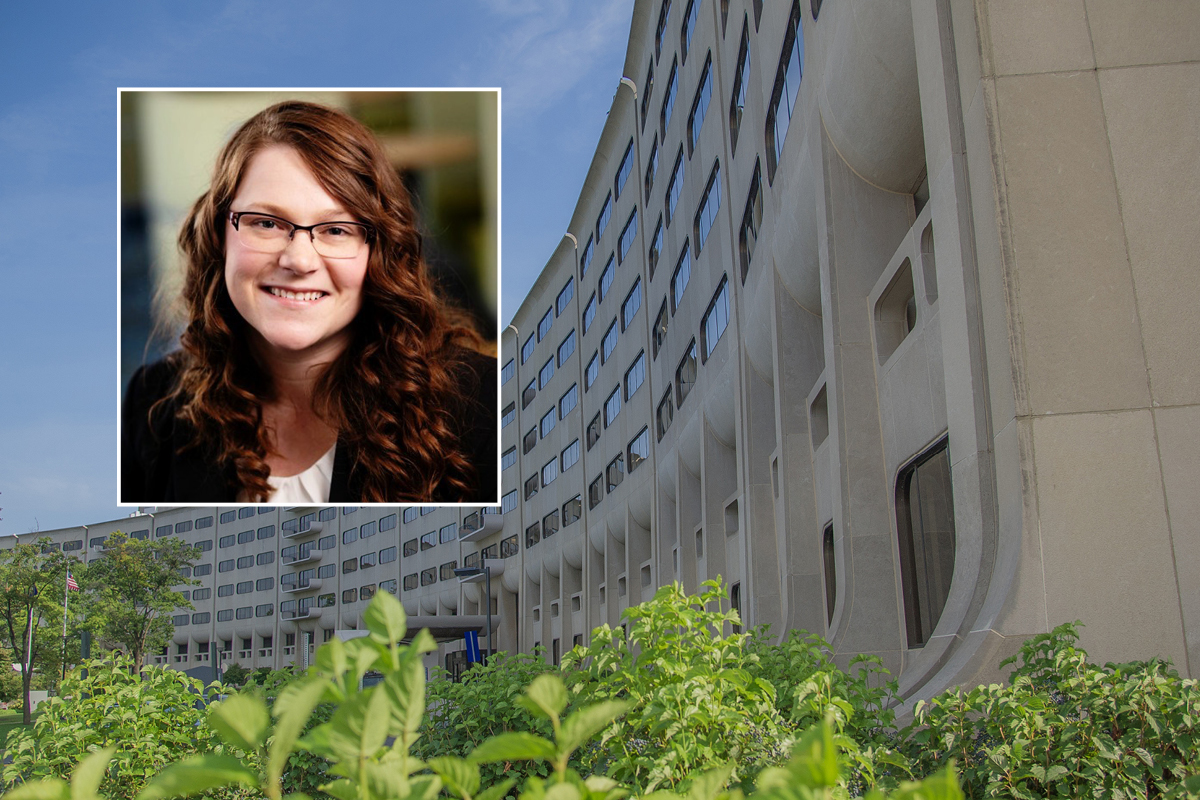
(284, 293)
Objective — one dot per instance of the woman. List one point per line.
(318, 363)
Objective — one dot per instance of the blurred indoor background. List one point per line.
(443, 144)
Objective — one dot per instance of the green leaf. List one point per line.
(384, 780)
(497, 791)
(513, 746)
(562, 791)
(292, 710)
(341, 789)
(385, 619)
(585, 723)
(198, 774)
(45, 789)
(85, 780)
(547, 696)
(241, 721)
(405, 689)
(814, 759)
(460, 777)
(707, 785)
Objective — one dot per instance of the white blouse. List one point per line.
(309, 486)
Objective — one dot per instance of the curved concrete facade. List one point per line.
(968, 238)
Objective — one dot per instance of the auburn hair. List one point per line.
(392, 394)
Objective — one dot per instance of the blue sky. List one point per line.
(558, 64)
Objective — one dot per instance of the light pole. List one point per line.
(26, 675)
(467, 572)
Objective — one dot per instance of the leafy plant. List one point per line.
(695, 700)
(485, 702)
(1065, 727)
(149, 719)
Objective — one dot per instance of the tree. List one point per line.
(32, 579)
(131, 592)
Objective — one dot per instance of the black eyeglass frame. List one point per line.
(368, 231)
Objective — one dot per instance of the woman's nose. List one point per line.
(300, 255)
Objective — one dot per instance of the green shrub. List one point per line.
(485, 702)
(695, 699)
(151, 718)
(1064, 727)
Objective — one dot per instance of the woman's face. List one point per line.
(297, 302)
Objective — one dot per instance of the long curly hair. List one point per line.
(392, 393)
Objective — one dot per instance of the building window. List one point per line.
(925, 522)
(786, 89)
(366, 530)
(508, 371)
(428, 541)
(707, 213)
(615, 473)
(546, 373)
(685, 375)
(508, 502)
(508, 458)
(651, 167)
(349, 535)
(564, 297)
(528, 394)
(628, 234)
(527, 348)
(675, 186)
(828, 557)
(349, 565)
(605, 216)
(262, 559)
(681, 276)
(700, 106)
(751, 222)
(570, 455)
(387, 523)
(612, 407)
(266, 532)
(326, 570)
(206, 569)
(567, 403)
(593, 372)
(624, 170)
(429, 576)
(550, 524)
(545, 324)
(668, 105)
(656, 242)
(264, 584)
(585, 259)
(350, 595)
(202, 594)
(410, 548)
(265, 610)
(596, 492)
(572, 510)
(227, 541)
(741, 82)
(716, 319)
(410, 513)
(226, 614)
(227, 516)
(589, 313)
(635, 375)
(633, 302)
(533, 534)
(549, 471)
(225, 566)
(690, 14)
(639, 449)
(448, 533)
(606, 277)
(647, 90)
(225, 590)
(658, 336)
(246, 537)
(664, 14)
(566, 348)
(445, 571)
(593, 431)
(547, 423)
(609, 343)
(531, 486)
(509, 414)
(666, 413)
(530, 440)
(186, 525)
(366, 561)
(204, 522)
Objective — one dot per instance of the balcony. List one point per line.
(495, 565)
(481, 524)
(310, 556)
(307, 586)
(316, 526)
(306, 613)
(245, 653)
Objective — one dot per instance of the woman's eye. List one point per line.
(263, 223)
(338, 231)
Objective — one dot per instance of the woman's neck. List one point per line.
(294, 374)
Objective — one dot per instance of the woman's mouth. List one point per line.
(290, 295)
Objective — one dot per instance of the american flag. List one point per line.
(71, 584)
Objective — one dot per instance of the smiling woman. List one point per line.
(318, 362)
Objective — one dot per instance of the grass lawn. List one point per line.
(8, 721)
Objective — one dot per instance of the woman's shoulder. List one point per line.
(153, 381)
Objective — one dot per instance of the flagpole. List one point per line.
(66, 591)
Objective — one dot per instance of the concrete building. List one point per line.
(883, 311)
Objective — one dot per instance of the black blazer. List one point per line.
(156, 467)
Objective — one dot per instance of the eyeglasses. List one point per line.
(269, 234)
